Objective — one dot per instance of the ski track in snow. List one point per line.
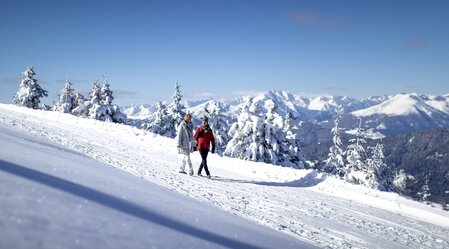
(301, 203)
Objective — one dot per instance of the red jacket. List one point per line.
(205, 138)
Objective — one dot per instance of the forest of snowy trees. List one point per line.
(355, 163)
(259, 134)
(98, 105)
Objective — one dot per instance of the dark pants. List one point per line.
(203, 153)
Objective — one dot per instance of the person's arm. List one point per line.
(212, 140)
(197, 133)
(180, 134)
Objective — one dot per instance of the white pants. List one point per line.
(186, 160)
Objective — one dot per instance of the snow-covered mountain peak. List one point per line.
(330, 103)
(399, 105)
(195, 102)
(138, 111)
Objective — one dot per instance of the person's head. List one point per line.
(187, 117)
(205, 120)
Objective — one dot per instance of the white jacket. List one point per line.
(185, 137)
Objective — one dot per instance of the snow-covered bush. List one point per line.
(403, 181)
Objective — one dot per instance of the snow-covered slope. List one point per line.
(440, 103)
(302, 203)
(53, 197)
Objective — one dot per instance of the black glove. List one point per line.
(213, 149)
(200, 132)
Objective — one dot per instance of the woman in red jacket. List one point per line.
(205, 138)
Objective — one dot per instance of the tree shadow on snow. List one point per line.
(309, 180)
(124, 206)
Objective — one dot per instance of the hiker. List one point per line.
(185, 142)
(205, 138)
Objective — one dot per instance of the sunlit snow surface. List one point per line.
(302, 203)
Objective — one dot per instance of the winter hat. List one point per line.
(205, 118)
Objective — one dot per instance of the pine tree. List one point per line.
(379, 175)
(66, 101)
(335, 162)
(245, 133)
(263, 138)
(272, 136)
(290, 146)
(101, 104)
(356, 169)
(162, 123)
(95, 100)
(106, 93)
(176, 110)
(30, 92)
(424, 194)
(219, 124)
(79, 108)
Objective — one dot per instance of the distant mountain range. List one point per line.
(381, 116)
(413, 127)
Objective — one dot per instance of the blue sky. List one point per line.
(224, 48)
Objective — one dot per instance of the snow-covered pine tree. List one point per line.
(79, 99)
(272, 136)
(106, 93)
(91, 104)
(102, 107)
(262, 138)
(424, 194)
(66, 102)
(79, 108)
(245, 133)
(335, 161)
(378, 174)
(176, 109)
(219, 124)
(162, 122)
(356, 169)
(290, 146)
(30, 92)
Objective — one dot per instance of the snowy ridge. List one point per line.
(302, 203)
(399, 105)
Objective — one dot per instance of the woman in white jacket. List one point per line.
(185, 142)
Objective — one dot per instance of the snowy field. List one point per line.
(301, 203)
